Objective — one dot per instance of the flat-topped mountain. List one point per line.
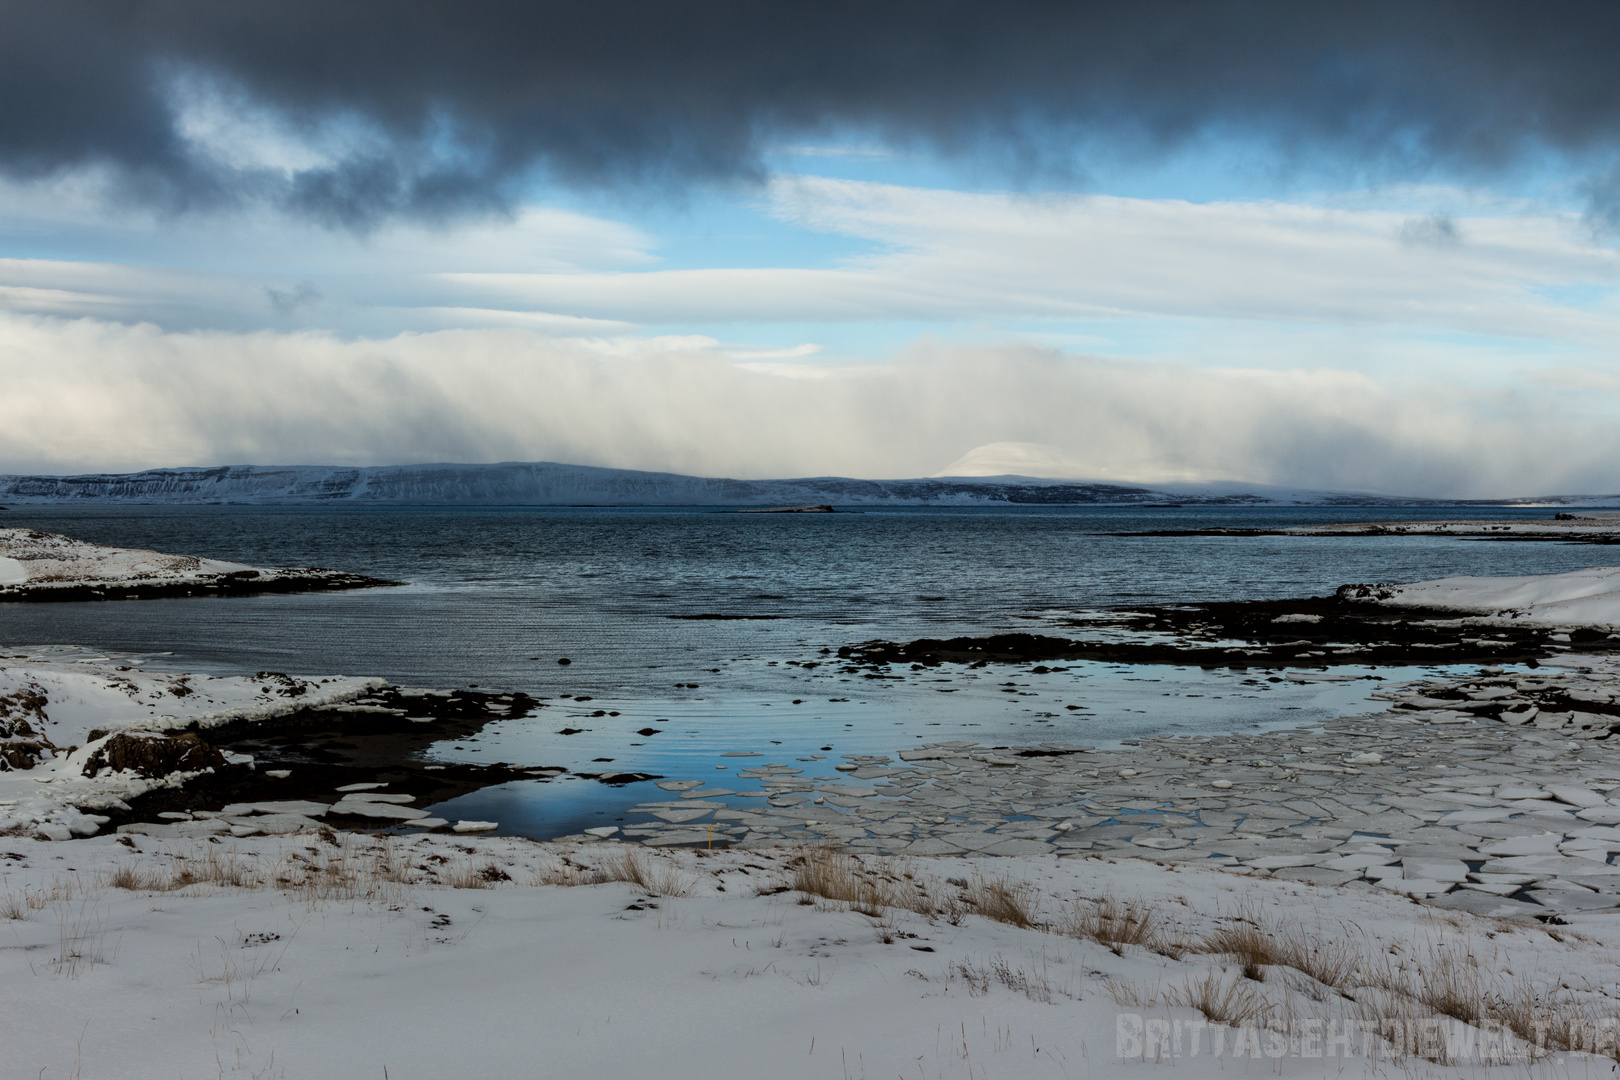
(547, 483)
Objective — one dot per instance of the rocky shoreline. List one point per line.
(323, 766)
(38, 566)
(1591, 527)
(1350, 627)
(298, 579)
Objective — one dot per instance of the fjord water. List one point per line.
(488, 590)
(494, 597)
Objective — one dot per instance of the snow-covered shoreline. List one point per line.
(60, 707)
(1579, 598)
(1596, 525)
(45, 566)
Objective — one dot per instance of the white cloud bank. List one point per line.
(86, 395)
(1512, 271)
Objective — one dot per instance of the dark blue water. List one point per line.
(494, 597)
(490, 590)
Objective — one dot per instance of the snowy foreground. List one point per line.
(1589, 598)
(339, 956)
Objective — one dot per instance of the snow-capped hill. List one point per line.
(536, 484)
(553, 484)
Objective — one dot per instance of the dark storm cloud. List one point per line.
(464, 101)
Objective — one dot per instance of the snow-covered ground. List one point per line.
(28, 557)
(52, 700)
(308, 957)
(45, 566)
(1589, 597)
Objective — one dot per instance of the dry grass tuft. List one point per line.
(839, 876)
(1034, 985)
(134, 878)
(471, 875)
(658, 876)
(81, 939)
(1003, 900)
(212, 866)
(20, 905)
(1111, 922)
(353, 870)
(1258, 942)
(1138, 997)
(1221, 1000)
(868, 886)
(567, 874)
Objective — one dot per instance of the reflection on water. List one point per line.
(697, 739)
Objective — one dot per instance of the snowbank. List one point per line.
(1589, 597)
(53, 700)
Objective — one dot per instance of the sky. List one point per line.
(1369, 247)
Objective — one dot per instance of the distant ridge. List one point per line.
(547, 483)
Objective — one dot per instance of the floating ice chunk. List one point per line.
(1576, 796)
(378, 810)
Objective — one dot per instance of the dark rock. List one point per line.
(235, 583)
(818, 508)
(154, 755)
(21, 746)
(21, 754)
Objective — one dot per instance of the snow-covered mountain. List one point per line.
(551, 484)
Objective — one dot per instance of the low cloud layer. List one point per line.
(84, 395)
(356, 112)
